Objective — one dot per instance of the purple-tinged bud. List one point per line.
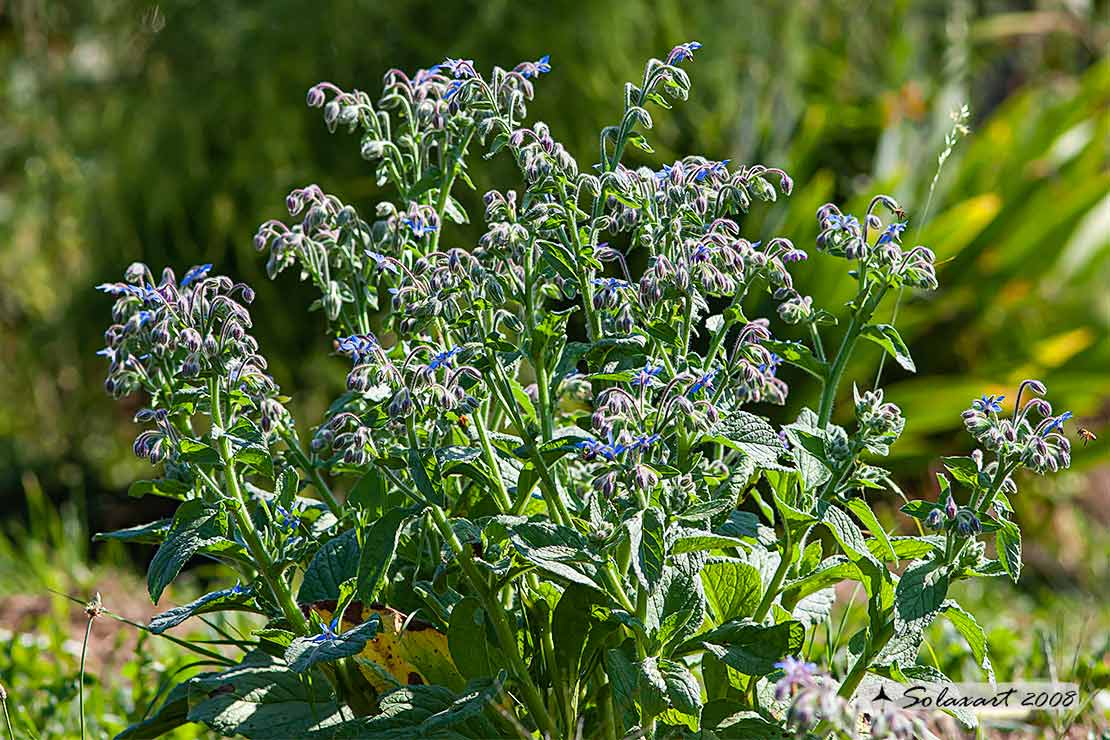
(401, 405)
(934, 519)
(967, 523)
(191, 367)
(950, 507)
(135, 273)
(315, 97)
(606, 484)
(645, 478)
(624, 322)
(322, 439)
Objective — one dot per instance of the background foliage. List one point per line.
(168, 132)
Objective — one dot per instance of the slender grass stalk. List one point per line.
(92, 611)
(958, 131)
(7, 717)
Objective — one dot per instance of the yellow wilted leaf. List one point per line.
(405, 652)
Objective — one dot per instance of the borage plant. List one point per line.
(535, 536)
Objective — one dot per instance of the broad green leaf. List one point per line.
(919, 595)
(198, 453)
(887, 337)
(378, 549)
(799, 355)
(228, 599)
(557, 550)
(814, 608)
(919, 508)
(572, 624)
(164, 487)
(750, 648)
(334, 563)
(171, 714)
(733, 589)
(423, 712)
(645, 536)
(676, 608)
(472, 641)
(261, 698)
(860, 508)
(976, 638)
(692, 540)
(195, 525)
(653, 686)
(749, 434)
(683, 690)
(420, 478)
(306, 652)
(151, 533)
(1007, 541)
(964, 470)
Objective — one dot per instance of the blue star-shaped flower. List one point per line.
(647, 375)
(988, 404)
(328, 631)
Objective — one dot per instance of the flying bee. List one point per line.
(464, 422)
(1086, 435)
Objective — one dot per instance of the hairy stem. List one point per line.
(505, 633)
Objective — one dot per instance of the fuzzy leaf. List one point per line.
(733, 589)
(306, 652)
(337, 561)
(887, 337)
(378, 549)
(261, 698)
(1008, 544)
(196, 525)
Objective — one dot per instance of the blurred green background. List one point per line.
(167, 131)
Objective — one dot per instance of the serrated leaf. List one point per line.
(195, 525)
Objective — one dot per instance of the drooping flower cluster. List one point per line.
(1032, 435)
(192, 329)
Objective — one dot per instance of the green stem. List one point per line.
(80, 682)
(505, 634)
(491, 462)
(7, 717)
(844, 353)
(772, 591)
(855, 675)
(254, 543)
